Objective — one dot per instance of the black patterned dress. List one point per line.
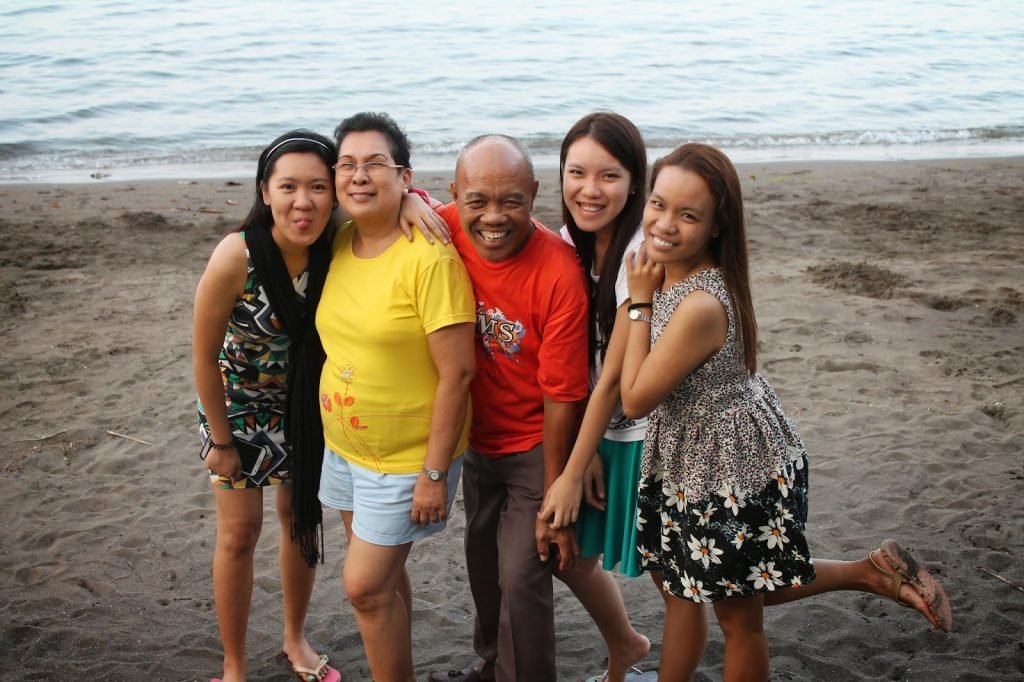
(723, 491)
(254, 364)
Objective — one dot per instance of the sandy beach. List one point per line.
(890, 299)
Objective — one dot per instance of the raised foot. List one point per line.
(912, 585)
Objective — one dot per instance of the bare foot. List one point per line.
(621, 660)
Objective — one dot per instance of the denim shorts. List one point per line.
(381, 504)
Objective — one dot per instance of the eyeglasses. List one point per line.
(374, 169)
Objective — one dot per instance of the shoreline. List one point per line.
(543, 161)
(890, 303)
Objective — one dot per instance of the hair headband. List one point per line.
(297, 139)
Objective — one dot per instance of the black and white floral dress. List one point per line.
(723, 490)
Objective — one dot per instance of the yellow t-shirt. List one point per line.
(378, 384)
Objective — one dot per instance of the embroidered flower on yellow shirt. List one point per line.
(347, 374)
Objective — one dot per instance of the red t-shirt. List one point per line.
(531, 337)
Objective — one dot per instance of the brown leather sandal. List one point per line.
(906, 570)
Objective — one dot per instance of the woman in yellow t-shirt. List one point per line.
(396, 320)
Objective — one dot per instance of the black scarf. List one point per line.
(302, 426)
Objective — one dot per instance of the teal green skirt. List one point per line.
(612, 533)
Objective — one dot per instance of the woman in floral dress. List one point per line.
(723, 493)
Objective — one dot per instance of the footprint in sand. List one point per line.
(848, 366)
(770, 365)
(862, 279)
(941, 303)
(856, 338)
(1000, 317)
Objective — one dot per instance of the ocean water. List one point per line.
(129, 89)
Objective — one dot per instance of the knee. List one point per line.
(522, 571)
(238, 537)
(740, 631)
(740, 623)
(283, 506)
(586, 571)
(367, 592)
(365, 597)
(284, 517)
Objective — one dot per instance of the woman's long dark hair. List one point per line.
(302, 426)
(729, 248)
(621, 139)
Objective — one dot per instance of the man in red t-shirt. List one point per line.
(531, 345)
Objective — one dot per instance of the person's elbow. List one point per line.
(466, 374)
(454, 356)
(633, 407)
(631, 411)
(460, 374)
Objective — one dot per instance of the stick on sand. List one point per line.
(999, 577)
(36, 440)
(121, 435)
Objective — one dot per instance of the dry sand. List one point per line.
(889, 297)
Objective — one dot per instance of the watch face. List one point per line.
(434, 475)
(639, 315)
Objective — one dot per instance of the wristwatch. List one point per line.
(434, 474)
(638, 315)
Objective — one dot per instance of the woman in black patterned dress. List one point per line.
(251, 309)
(723, 493)
(257, 359)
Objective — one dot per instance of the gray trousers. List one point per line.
(514, 630)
